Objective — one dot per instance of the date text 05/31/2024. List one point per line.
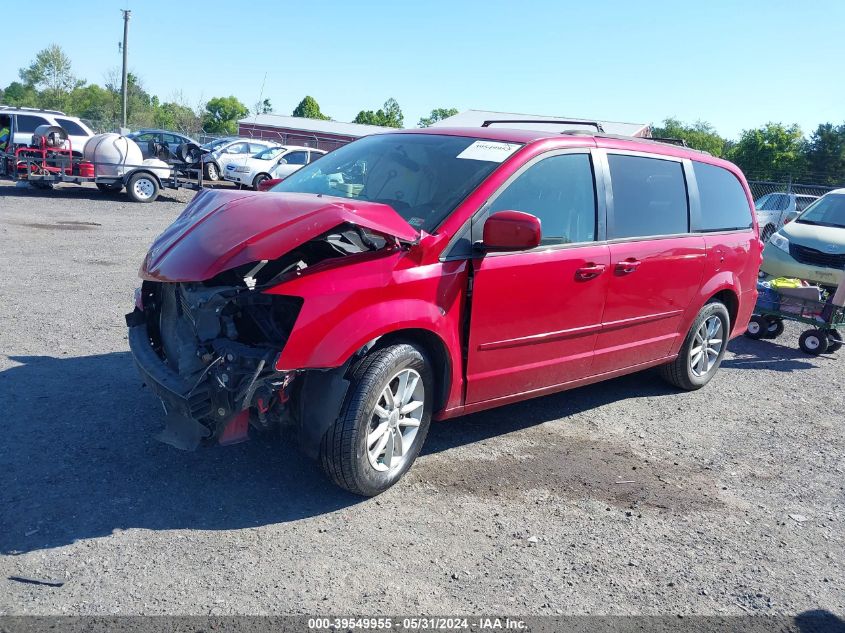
(416, 624)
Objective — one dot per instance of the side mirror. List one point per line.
(511, 231)
(264, 185)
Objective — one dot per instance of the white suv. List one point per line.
(21, 122)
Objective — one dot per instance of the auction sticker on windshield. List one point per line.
(490, 151)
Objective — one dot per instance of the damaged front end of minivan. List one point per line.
(210, 320)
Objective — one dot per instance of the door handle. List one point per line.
(628, 266)
(590, 271)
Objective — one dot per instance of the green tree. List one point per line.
(221, 115)
(700, 135)
(18, 94)
(390, 115)
(51, 73)
(826, 154)
(771, 152)
(308, 108)
(438, 114)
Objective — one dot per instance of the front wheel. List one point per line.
(703, 349)
(258, 180)
(383, 423)
(142, 188)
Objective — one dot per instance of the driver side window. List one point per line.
(561, 192)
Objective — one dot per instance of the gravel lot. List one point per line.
(735, 500)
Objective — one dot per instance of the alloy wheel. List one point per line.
(395, 421)
(707, 345)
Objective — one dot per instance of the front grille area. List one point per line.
(812, 257)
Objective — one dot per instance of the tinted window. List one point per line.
(649, 197)
(28, 123)
(315, 156)
(71, 127)
(560, 191)
(723, 202)
(296, 158)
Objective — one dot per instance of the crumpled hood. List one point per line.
(220, 230)
(828, 239)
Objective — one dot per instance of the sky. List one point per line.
(734, 64)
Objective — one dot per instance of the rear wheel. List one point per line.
(142, 187)
(813, 342)
(703, 349)
(383, 423)
(774, 328)
(212, 171)
(834, 341)
(757, 327)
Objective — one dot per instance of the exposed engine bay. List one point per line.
(209, 349)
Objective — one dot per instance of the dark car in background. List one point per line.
(165, 140)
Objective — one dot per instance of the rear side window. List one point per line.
(560, 191)
(314, 156)
(71, 127)
(724, 206)
(27, 123)
(649, 197)
(296, 158)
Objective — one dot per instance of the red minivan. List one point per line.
(425, 274)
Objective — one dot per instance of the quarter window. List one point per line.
(71, 127)
(724, 206)
(649, 197)
(559, 190)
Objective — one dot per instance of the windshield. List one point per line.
(269, 154)
(826, 211)
(422, 176)
(213, 145)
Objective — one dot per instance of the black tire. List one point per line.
(107, 187)
(813, 342)
(767, 233)
(680, 371)
(258, 180)
(212, 171)
(344, 452)
(757, 327)
(774, 328)
(834, 341)
(142, 187)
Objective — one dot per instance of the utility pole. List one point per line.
(124, 87)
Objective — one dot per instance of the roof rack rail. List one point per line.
(594, 124)
(672, 141)
(26, 109)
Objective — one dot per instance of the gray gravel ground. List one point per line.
(735, 505)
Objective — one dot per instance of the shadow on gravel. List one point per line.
(819, 621)
(766, 354)
(78, 461)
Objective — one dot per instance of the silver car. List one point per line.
(775, 209)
